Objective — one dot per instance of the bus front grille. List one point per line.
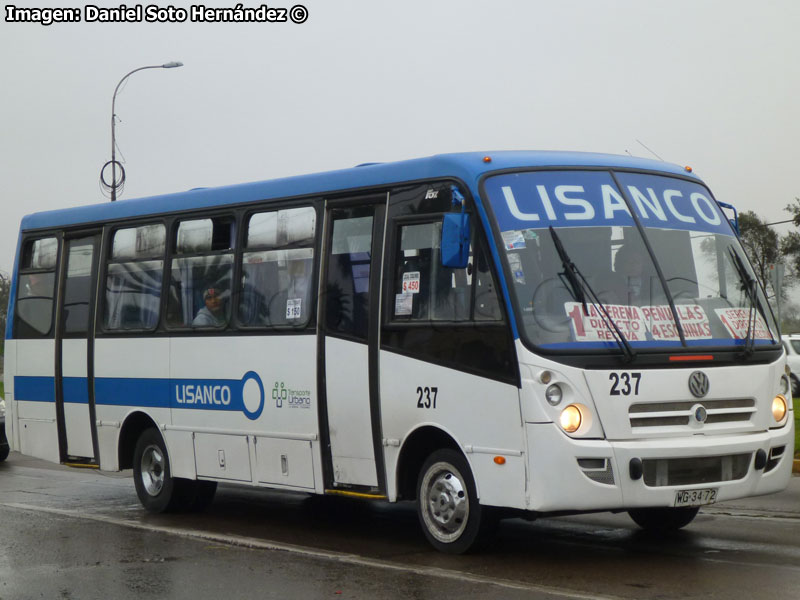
(683, 413)
(695, 470)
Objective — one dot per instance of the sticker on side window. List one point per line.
(403, 304)
(411, 282)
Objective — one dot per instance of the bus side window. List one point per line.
(424, 290)
(35, 289)
(133, 280)
(277, 268)
(200, 274)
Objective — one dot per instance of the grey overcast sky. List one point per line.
(709, 83)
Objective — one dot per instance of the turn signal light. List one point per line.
(779, 408)
(499, 460)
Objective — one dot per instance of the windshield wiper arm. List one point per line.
(749, 284)
(579, 283)
(570, 270)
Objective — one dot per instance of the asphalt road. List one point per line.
(75, 534)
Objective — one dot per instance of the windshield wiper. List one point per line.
(579, 283)
(749, 285)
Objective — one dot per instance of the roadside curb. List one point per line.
(796, 466)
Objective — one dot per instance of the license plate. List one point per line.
(695, 497)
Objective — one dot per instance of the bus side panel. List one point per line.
(34, 395)
(251, 402)
(482, 415)
(131, 374)
(10, 368)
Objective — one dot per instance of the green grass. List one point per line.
(796, 429)
(2, 390)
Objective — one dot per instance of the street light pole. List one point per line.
(113, 162)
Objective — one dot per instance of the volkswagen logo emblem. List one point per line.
(700, 413)
(698, 384)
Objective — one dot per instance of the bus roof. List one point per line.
(466, 166)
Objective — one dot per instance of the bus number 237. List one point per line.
(426, 397)
(624, 384)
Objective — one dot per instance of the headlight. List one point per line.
(554, 394)
(779, 406)
(2, 408)
(571, 419)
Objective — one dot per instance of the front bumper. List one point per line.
(571, 474)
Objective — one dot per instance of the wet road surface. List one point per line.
(67, 533)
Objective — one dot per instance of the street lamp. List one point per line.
(113, 162)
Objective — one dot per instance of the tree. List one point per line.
(761, 242)
(5, 288)
(790, 243)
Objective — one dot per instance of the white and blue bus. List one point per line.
(520, 333)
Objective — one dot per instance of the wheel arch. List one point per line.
(417, 446)
(133, 426)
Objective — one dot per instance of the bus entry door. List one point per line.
(74, 348)
(350, 413)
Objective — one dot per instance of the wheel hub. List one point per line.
(153, 467)
(446, 502)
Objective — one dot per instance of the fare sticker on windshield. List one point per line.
(638, 323)
(593, 327)
(736, 322)
(661, 323)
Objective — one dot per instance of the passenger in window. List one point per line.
(213, 313)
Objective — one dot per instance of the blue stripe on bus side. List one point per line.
(151, 393)
(124, 391)
(34, 389)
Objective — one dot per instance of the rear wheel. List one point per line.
(157, 489)
(662, 520)
(4, 450)
(447, 505)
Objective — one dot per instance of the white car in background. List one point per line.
(791, 343)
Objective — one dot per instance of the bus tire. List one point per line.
(447, 505)
(663, 520)
(158, 491)
(4, 451)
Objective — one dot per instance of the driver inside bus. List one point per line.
(213, 313)
(629, 268)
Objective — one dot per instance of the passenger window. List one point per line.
(133, 279)
(277, 268)
(348, 276)
(35, 289)
(201, 274)
(424, 290)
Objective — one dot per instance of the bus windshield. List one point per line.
(681, 280)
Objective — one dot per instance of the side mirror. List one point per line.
(455, 240)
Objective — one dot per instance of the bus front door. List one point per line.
(74, 345)
(350, 413)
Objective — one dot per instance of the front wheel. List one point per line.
(662, 520)
(447, 505)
